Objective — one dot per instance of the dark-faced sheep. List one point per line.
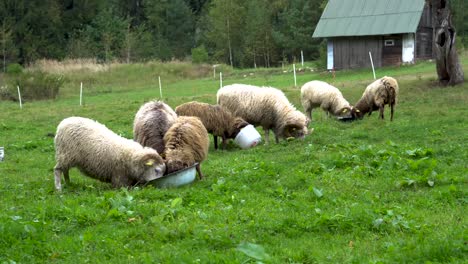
(379, 93)
(264, 106)
(103, 155)
(186, 143)
(316, 94)
(217, 120)
(152, 121)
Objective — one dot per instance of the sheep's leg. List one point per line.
(267, 135)
(66, 176)
(120, 181)
(198, 167)
(58, 174)
(224, 141)
(391, 112)
(381, 109)
(309, 113)
(215, 138)
(276, 137)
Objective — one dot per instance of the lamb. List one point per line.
(186, 143)
(264, 106)
(152, 121)
(103, 155)
(377, 94)
(217, 120)
(321, 94)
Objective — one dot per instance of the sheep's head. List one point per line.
(238, 124)
(177, 159)
(175, 165)
(351, 112)
(295, 130)
(149, 166)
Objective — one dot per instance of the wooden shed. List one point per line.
(393, 31)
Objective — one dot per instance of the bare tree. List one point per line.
(448, 65)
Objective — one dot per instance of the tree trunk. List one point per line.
(448, 66)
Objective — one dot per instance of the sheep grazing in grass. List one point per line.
(377, 94)
(217, 120)
(152, 121)
(186, 143)
(264, 106)
(316, 94)
(103, 155)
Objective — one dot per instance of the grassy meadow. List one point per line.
(369, 191)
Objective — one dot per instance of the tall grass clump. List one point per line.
(70, 66)
(33, 86)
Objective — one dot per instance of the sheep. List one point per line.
(103, 155)
(377, 94)
(264, 106)
(217, 120)
(152, 121)
(186, 143)
(321, 94)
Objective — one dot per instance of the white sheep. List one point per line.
(316, 94)
(264, 106)
(103, 155)
(152, 121)
(377, 94)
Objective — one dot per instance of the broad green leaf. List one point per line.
(253, 250)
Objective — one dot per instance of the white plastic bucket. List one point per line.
(248, 137)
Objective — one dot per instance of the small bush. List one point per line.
(14, 68)
(33, 86)
(199, 55)
(322, 60)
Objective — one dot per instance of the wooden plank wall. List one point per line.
(392, 55)
(353, 52)
(424, 35)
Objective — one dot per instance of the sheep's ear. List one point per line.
(149, 162)
(344, 110)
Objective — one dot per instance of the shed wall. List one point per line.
(353, 52)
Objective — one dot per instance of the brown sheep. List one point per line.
(186, 143)
(217, 120)
(103, 155)
(377, 94)
(151, 122)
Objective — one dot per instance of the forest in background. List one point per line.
(241, 33)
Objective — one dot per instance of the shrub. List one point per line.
(14, 68)
(322, 60)
(33, 86)
(199, 55)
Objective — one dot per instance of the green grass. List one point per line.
(364, 192)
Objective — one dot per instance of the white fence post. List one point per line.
(160, 88)
(372, 63)
(19, 96)
(220, 80)
(294, 69)
(81, 94)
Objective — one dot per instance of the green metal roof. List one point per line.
(369, 17)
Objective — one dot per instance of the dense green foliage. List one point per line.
(240, 33)
(370, 191)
